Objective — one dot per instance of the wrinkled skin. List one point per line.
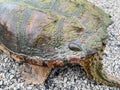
(50, 33)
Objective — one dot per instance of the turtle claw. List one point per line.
(35, 74)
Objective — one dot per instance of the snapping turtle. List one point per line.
(47, 34)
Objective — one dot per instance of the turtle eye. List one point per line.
(74, 46)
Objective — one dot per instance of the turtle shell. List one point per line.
(52, 29)
(53, 32)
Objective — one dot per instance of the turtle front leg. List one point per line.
(35, 74)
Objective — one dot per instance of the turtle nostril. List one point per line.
(74, 47)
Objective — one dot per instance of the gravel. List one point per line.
(70, 77)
